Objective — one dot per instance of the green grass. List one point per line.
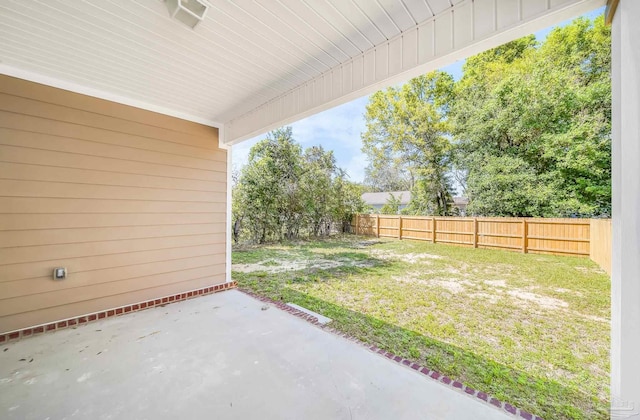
(532, 330)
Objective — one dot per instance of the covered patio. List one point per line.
(226, 355)
(116, 126)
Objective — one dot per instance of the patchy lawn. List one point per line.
(532, 330)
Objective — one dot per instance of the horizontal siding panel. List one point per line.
(133, 204)
(31, 205)
(43, 269)
(75, 116)
(25, 89)
(45, 284)
(17, 238)
(70, 160)
(88, 249)
(27, 123)
(11, 137)
(27, 172)
(59, 221)
(15, 321)
(11, 188)
(64, 297)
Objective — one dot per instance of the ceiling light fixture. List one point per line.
(189, 12)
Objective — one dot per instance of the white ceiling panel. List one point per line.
(354, 14)
(379, 17)
(419, 10)
(399, 13)
(250, 63)
(439, 6)
(350, 32)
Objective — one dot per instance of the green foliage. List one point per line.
(526, 131)
(537, 117)
(387, 174)
(392, 206)
(284, 192)
(407, 128)
(508, 186)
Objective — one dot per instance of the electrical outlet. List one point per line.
(59, 273)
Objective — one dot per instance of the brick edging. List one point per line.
(121, 310)
(432, 374)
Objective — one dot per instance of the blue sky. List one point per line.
(339, 128)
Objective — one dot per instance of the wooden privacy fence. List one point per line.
(600, 243)
(528, 235)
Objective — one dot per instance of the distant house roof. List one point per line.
(460, 201)
(381, 198)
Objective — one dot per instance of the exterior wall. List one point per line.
(131, 202)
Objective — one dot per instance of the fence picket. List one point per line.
(527, 235)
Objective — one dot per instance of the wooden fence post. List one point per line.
(567, 237)
(475, 232)
(433, 228)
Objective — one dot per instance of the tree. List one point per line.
(543, 112)
(509, 186)
(392, 206)
(284, 192)
(320, 171)
(386, 173)
(268, 193)
(348, 202)
(408, 127)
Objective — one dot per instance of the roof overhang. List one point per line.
(249, 67)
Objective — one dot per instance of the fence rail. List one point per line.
(528, 235)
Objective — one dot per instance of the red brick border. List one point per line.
(83, 319)
(437, 376)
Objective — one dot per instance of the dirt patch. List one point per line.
(364, 244)
(411, 258)
(592, 317)
(496, 283)
(493, 299)
(454, 285)
(281, 266)
(545, 302)
(451, 286)
(589, 270)
(568, 291)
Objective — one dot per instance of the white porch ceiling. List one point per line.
(254, 65)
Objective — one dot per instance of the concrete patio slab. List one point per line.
(223, 356)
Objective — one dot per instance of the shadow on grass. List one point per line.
(542, 396)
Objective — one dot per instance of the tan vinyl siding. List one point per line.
(131, 202)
